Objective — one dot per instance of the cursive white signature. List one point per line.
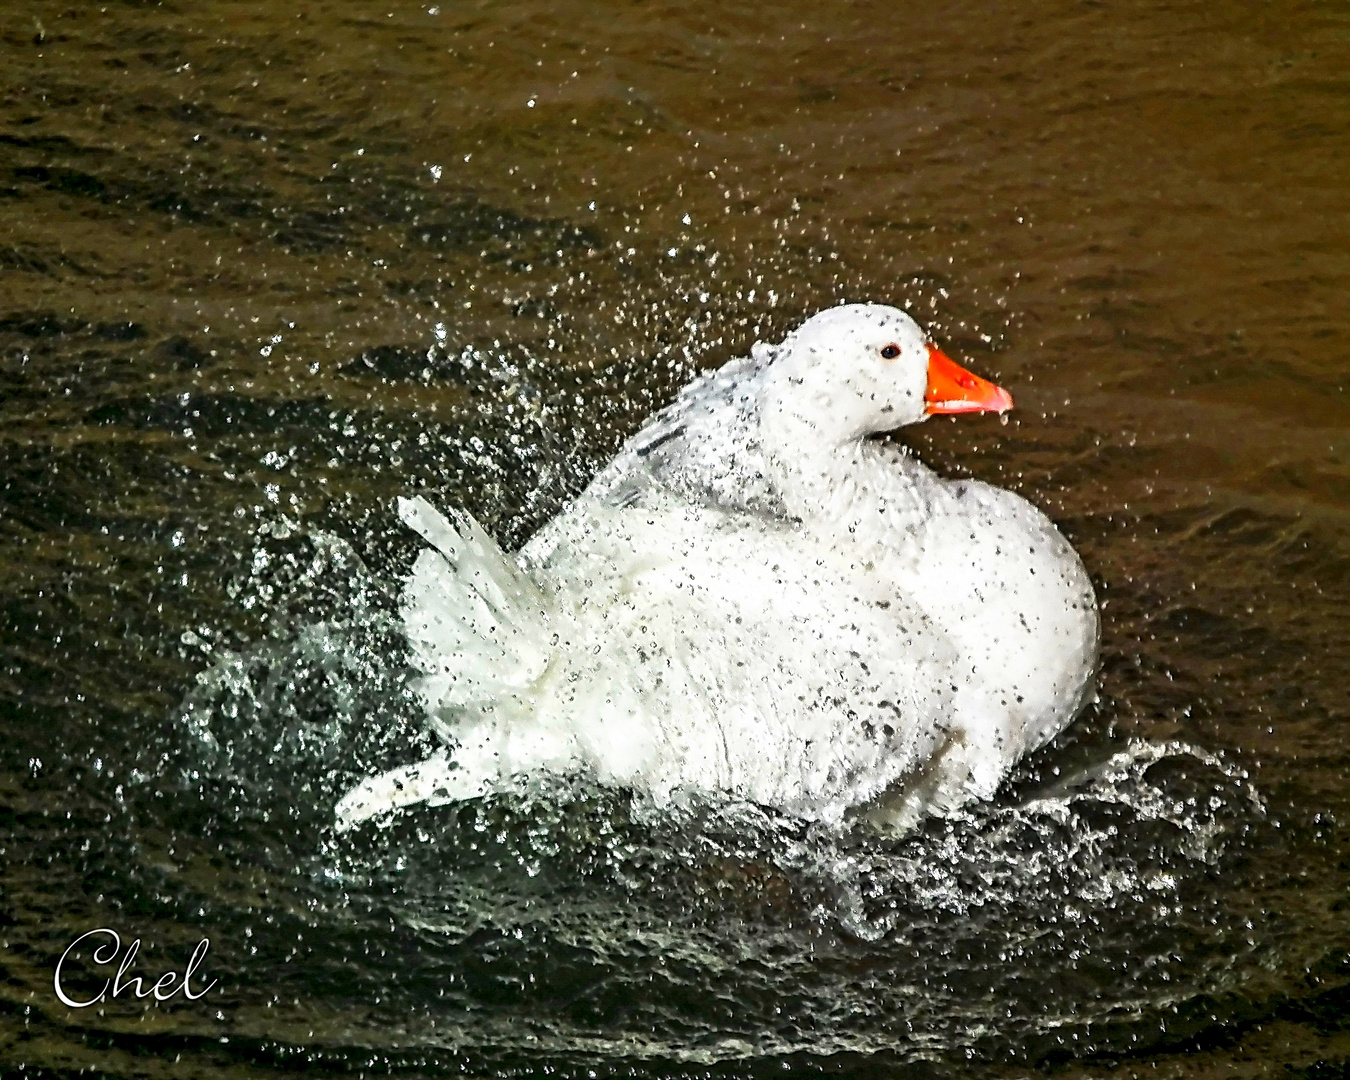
(104, 954)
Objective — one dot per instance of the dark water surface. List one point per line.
(264, 267)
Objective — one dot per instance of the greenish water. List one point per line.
(263, 268)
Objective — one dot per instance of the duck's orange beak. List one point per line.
(953, 389)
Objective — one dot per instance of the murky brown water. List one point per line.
(264, 267)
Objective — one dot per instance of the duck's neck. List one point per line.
(841, 483)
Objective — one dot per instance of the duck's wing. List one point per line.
(703, 448)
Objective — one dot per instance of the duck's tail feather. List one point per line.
(479, 627)
(487, 756)
(434, 781)
(480, 633)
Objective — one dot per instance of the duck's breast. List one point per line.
(1005, 585)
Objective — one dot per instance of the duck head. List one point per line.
(860, 369)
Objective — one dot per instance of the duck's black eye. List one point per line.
(890, 352)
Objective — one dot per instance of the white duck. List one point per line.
(755, 601)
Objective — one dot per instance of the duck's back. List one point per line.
(729, 657)
(704, 448)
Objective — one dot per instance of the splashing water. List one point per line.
(580, 895)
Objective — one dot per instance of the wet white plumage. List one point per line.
(755, 601)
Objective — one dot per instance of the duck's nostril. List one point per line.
(968, 381)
